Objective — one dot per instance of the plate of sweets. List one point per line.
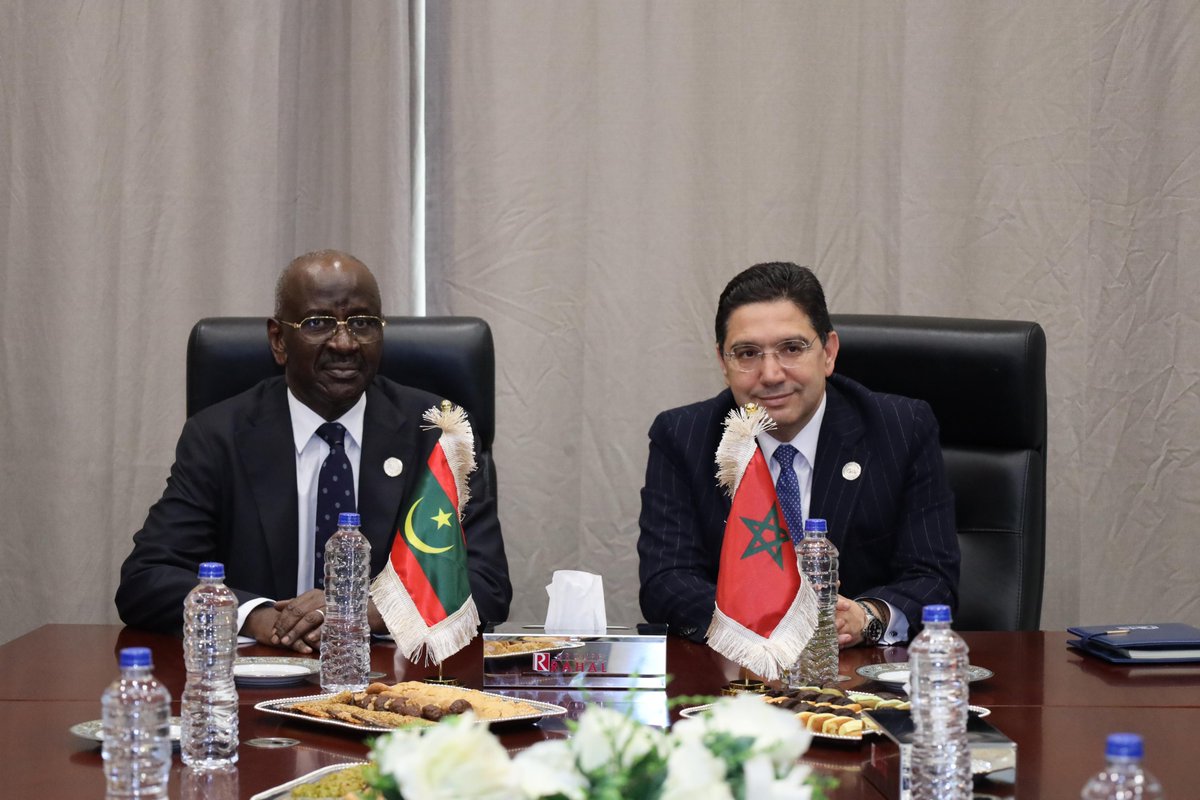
(333, 782)
(828, 713)
(384, 707)
(517, 646)
(832, 714)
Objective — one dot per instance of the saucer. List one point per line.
(897, 674)
(274, 670)
(94, 730)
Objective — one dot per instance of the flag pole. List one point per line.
(442, 679)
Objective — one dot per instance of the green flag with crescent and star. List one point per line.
(424, 593)
(431, 557)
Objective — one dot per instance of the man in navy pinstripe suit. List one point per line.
(868, 463)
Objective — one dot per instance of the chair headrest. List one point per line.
(452, 357)
(985, 379)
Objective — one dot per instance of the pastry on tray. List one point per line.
(411, 703)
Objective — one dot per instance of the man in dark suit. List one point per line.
(243, 487)
(870, 464)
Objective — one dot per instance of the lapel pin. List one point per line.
(851, 471)
(393, 467)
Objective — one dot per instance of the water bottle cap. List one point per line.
(815, 524)
(134, 657)
(1123, 745)
(935, 613)
(347, 518)
(212, 569)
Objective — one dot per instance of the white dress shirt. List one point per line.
(311, 451)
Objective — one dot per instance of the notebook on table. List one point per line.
(1163, 643)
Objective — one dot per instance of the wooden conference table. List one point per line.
(1057, 705)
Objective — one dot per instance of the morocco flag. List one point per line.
(766, 612)
(423, 593)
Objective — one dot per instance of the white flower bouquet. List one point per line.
(743, 748)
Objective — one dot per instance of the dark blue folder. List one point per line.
(1162, 643)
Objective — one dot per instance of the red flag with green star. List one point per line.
(766, 612)
(424, 593)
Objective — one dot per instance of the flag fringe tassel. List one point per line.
(458, 443)
(413, 637)
(766, 657)
(738, 443)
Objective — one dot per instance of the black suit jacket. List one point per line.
(893, 525)
(231, 497)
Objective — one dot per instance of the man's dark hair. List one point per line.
(775, 280)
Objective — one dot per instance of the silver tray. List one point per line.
(281, 707)
(284, 791)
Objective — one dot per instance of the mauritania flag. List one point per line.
(766, 612)
(424, 594)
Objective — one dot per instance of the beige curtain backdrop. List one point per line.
(597, 171)
(161, 162)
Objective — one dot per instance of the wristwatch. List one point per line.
(872, 631)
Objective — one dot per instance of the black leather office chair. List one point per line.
(986, 382)
(452, 357)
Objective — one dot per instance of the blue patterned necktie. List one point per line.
(787, 489)
(335, 493)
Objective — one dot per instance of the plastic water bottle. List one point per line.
(220, 783)
(346, 635)
(941, 756)
(209, 736)
(818, 559)
(1123, 777)
(137, 735)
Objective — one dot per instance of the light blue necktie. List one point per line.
(787, 489)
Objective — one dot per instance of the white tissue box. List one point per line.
(616, 660)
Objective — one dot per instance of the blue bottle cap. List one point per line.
(212, 569)
(815, 524)
(1123, 745)
(348, 518)
(935, 613)
(134, 657)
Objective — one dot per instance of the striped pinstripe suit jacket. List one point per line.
(893, 524)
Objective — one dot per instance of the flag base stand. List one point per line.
(442, 680)
(744, 686)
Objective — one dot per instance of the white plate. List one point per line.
(282, 707)
(274, 670)
(94, 730)
(284, 791)
(897, 674)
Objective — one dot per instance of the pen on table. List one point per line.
(1114, 633)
